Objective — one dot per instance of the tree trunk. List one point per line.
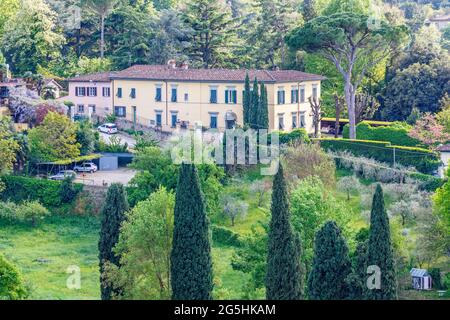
(350, 100)
(338, 108)
(102, 37)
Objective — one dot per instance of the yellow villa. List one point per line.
(170, 96)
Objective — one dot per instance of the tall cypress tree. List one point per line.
(247, 100)
(331, 265)
(113, 214)
(284, 272)
(254, 106)
(263, 109)
(191, 264)
(380, 252)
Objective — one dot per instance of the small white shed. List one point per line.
(421, 279)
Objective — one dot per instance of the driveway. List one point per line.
(106, 178)
(124, 137)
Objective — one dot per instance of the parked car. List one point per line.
(86, 167)
(109, 128)
(63, 174)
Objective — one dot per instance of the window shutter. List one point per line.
(226, 96)
(234, 96)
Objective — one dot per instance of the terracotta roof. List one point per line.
(164, 72)
(96, 77)
(441, 18)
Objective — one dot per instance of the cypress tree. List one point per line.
(331, 265)
(380, 252)
(254, 106)
(357, 280)
(113, 214)
(263, 109)
(247, 100)
(191, 264)
(284, 272)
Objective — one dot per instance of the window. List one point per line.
(106, 92)
(119, 92)
(174, 97)
(213, 121)
(92, 108)
(80, 108)
(92, 91)
(186, 97)
(80, 91)
(159, 119)
(174, 120)
(294, 95)
(294, 120)
(280, 122)
(120, 111)
(281, 96)
(133, 93)
(314, 94)
(231, 96)
(302, 94)
(158, 96)
(213, 96)
(302, 120)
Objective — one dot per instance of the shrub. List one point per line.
(29, 211)
(67, 191)
(397, 133)
(225, 236)
(47, 192)
(295, 136)
(423, 160)
(11, 283)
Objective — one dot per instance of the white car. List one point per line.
(86, 167)
(63, 174)
(109, 128)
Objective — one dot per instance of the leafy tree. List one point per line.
(274, 20)
(67, 192)
(331, 265)
(247, 101)
(263, 109)
(171, 38)
(260, 188)
(144, 246)
(441, 201)
(191, 263)
(103, 9)
(30, 38)
(351, 44)
(380, 252)
(86, 137)
(8, 146)
(357, 279)
(112, 216)
(54, 139)
(428, 131)
(311, 206)
(11, 283)
(309, 10)
(233, 208)
(284, 277)
(349, 185)
(212, 33)
(9, 9)
(129, 30)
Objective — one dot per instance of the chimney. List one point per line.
(172, 64)
(184, 65)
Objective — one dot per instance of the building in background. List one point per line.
(169, 97)
(440, 22)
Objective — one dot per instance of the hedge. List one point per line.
(423, 160)
(397, 134)
(225, 236)
(293, 136)
(371, 122)
(19, 188)
(427, 182)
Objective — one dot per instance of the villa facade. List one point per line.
(170, 97)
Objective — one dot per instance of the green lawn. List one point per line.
(44, 253)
